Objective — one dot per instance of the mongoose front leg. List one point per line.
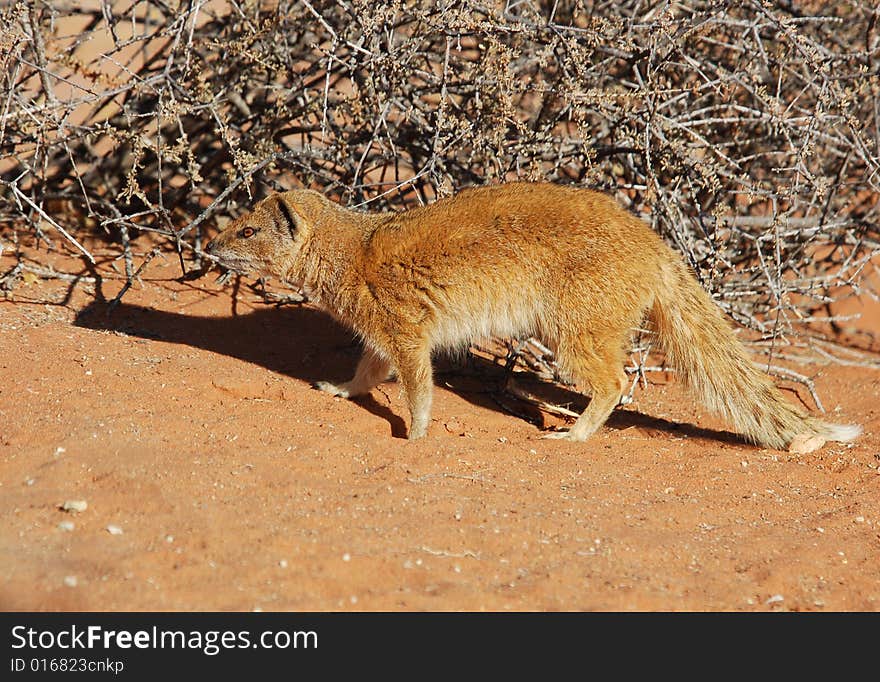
(414, 372)
(371, 371)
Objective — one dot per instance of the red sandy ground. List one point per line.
(186, 420)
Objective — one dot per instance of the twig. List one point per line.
(115, 302)
(21, 195)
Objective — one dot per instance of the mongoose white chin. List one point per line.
(567, 265)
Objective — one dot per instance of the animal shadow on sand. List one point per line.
(308, 345)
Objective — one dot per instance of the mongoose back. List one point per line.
(567, 265)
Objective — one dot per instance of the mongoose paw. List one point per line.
(332, 389)
(416, 433)
(567, 434)
(556, 435)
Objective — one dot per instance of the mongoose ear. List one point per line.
(287, 214)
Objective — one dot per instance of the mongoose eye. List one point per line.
(247, 232)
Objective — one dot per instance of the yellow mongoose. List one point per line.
(567, 265)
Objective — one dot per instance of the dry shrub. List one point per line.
(744, 132)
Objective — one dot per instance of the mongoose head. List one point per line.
(268, 241)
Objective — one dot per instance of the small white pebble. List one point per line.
(70, 580)
(66, 525)
(114, 530)
(169, 538)
(859, 519)
(75, 506)
(346, 557)
(60, 450)
(353, 599)
(775, 599)
(820, 529)
(283, 563)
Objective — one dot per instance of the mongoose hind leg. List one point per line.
(601, 368)
(372, 370)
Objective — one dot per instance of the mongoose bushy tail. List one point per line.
(701, 345)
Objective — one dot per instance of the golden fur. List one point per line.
(567, 265)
